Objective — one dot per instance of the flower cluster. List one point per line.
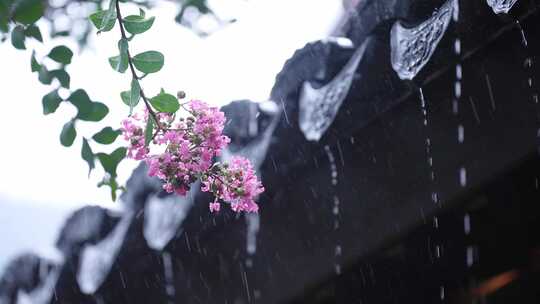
(190, 146)
(235, 183)
(134, 133)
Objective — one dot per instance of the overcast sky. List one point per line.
(237, 62)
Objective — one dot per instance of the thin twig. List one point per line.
(132, 68)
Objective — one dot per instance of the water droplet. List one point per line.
(467, 223)
(338, 269)
(338, 250)
(442, 293)
(457, 46)
(463, 177)
(461, 134)
(459, 71)
(490, 91)
(457, 89)
(435, 197)
(523, 37)
(455, 15)
(470, 256)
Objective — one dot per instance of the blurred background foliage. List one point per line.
(68, 18)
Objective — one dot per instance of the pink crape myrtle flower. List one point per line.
(215, 206)
(132, 129)
(191, 145)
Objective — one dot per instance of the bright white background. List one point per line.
(41, 182)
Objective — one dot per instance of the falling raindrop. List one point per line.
(338, 269)
(463, 177)
(461, 134)
(470, 256)
(523, 37)
(169, 276)
(475, 112)
(457, 46)
(467, 223)
(490, 91)
(442, 295)
(457, 89)
(253, 225)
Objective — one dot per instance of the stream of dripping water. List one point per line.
(423, 108)
(169, 277)
(434, 194)
(462, 173)
(528, 65)
(335, 207)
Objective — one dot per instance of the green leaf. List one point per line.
(34, 32)
(62, 76)
(110, 161)
(97, 20)
(120, 63)
(34, 65)
(149, 130)
(81, 101)
(114, 61)
(80, 98)
(28, 11)
(149, 62)
(123, 48)
(68, 134)
(126, 97)
(108, 17)
(98, 112)
(61, 54)
(106, 136)
(135, 94)
(44, 75)
(164, 102)
(51, 102)
(142, 13)
(4, 15)
(87, 109)
(17, 37)
(3, 18)
(135, 24)
(88, 155)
